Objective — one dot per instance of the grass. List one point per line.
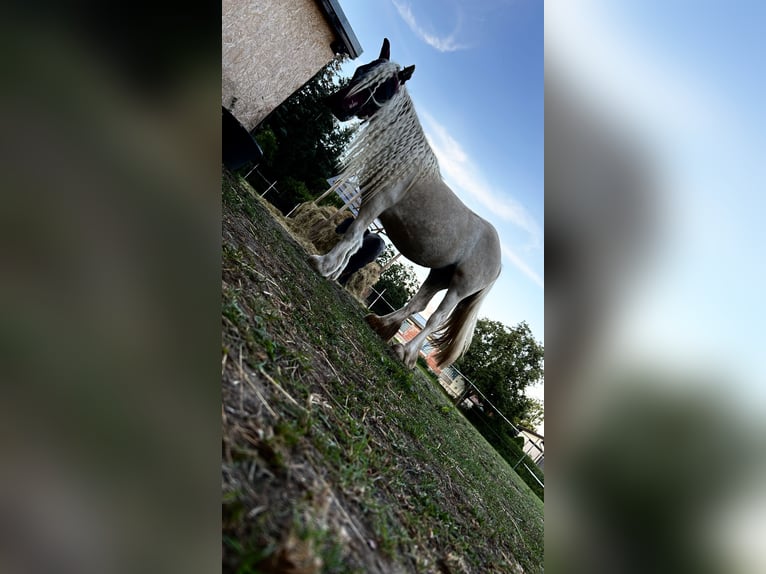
(336, 457)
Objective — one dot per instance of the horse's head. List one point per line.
(371, 86)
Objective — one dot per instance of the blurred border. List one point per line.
(655, 451)
(111, 288)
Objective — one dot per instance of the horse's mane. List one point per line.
(391, 145)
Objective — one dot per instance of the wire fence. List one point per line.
(531, 448)
(452, 377)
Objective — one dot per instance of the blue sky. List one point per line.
(686, 80)
(478, 90)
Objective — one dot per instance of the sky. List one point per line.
(478, 91)
(686, 80)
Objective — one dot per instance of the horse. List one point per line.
(401, 185)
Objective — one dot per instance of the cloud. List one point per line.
(461, 171)
(522, 265)
(442, 44)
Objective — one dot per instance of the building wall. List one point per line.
(408, 331)
(453, 382)
(533, 446)
(270, 48)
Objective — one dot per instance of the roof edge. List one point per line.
(347, 41)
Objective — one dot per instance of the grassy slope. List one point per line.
(336, 458)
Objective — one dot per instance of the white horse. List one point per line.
(401, 185)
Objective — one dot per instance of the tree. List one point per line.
(302, 140)
(533, 414)
(502, 362)
(399, 283)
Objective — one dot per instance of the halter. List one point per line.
(376, 102)
(375, 77)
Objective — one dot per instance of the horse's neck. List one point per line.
(392, 147)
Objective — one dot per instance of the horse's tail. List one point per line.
(454, 337)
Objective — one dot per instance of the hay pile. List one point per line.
(317, 224)
(360, 282)
(284, 222)
(314, 228)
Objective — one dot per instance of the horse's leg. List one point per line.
(332, 263)
(408, 352)
(387, 326)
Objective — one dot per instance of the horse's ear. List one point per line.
(406, 73)
(385, 51)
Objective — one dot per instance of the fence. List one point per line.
(450, 378)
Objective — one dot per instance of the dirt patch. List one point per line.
(335, 457)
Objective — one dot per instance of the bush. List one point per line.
(302, 142)
(268, 142)
(291, 192)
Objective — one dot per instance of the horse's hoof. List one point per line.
(374, 322)
(314, 261)
(383, 329)
(377, 325)
(401, 352)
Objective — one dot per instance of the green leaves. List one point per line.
(398, 281)
(301, 139)
(502, 362)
